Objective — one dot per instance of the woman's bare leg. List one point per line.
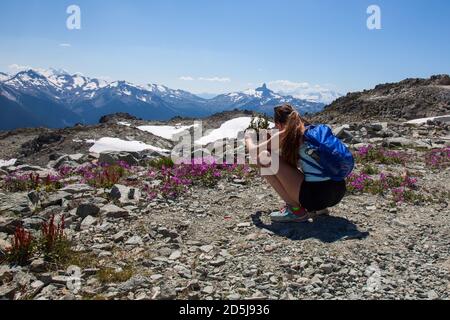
(287, 182)
(290, 178)
(278, 187)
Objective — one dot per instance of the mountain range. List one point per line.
(54, 98)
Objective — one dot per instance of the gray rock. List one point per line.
(17, 202)
(172, 234)
(398, 142)
(77, 188)
(339, 130)
(327, 268)
(33, 223)
(133, 283)
(432, 295)
(78, 157)
(112, 158)
(207, 248)
(56, 199)
(119, 236)
(88, 222)
(234, 296)
(9, 224)
(208, 290)
(175, 255)
(218, 262)
(38, 265)
(135, 241)
(7, 291)
(376, 127)
(87, 209)
(6, 273)
(34, 197)
(113, 211)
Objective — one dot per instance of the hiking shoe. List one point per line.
(288, 214)
(315, 214)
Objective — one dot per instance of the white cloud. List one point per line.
(304, 90)
(186, 78)
(65, 45)
(215, 79)
(16, 67)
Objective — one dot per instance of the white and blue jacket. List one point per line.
(309, 165)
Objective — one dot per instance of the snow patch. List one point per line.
(228, 130)
(7, 163)
(425, 120)
(115, 144)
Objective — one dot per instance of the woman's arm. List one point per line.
(264, 146)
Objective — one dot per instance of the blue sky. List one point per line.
(225, 45)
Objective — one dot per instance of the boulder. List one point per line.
(398, 142)
(113, 157)
(87, 209)
(18, 203)
(113, 211)
(55, 199)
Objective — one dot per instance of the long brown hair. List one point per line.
(294, 129)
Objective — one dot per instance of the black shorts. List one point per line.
(315, 196)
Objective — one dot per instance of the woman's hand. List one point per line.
(249, 140)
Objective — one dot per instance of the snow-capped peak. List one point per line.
(157, 88)
(4, 76)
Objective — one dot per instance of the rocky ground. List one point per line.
(218, 242)
(404, 100)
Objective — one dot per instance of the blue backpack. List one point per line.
(333, 156)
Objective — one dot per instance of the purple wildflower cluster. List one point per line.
(381, 155)
(173, 181)
(99, 175)
(397, 185)
(438, 158)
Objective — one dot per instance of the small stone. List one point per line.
(207, 248)
(135, 241)
(218, 262)
(88, 222)
(208, 290)
(327, 268)
(244, 225)
(234, 296)
(432, 295)
(175, 255)
(119, 236)
(316, 281)
(38, 265)
(37, 285)
(156, 277)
